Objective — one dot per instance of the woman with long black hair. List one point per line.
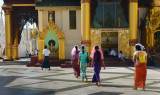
(83, 62)
(75, 55)
(97, 61)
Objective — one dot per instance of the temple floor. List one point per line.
(22, 80)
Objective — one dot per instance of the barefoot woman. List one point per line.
(75, 55)
(97, 60)
(83, 62)
(140, 67)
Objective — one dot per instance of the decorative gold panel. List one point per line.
(51, 25)
(156, 2)
(123, 39)
(95, 38)
(154, 20)
(124, 42)
(34, 34)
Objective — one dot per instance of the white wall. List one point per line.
(72, 36)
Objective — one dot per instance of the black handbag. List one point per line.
(87, 58)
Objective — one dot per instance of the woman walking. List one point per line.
(83, 62)
(45, 63)
(140, 61)
(97, 61)
(75, 55)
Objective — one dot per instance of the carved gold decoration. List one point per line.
(153, 18)
(123, 38)
(124, 42)
(7, 9)
(154, 21)
(95, 38)
(156, 2)
(60, 35)
(85, 1)
(34, 34)
(51, 25)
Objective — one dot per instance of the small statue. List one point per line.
(51, 47)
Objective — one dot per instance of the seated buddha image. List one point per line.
(51, 44)
(106, 43)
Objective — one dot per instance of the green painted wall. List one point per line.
(51, 36)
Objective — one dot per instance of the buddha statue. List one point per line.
(51, 47)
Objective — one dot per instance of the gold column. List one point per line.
(40, 48)
(152, 39)
(85, 23)
(61, 49)
(8, 33)
(133, 24)
(15, 47)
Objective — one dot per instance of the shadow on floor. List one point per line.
(4, 80)
(106, 93)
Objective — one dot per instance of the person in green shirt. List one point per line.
(83, 62)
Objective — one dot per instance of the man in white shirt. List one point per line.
(46, 64)
(113, 53)
(121, 56)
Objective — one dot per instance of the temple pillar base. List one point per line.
(8, 59)
(16, 58)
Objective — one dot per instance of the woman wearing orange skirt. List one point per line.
(140, 62)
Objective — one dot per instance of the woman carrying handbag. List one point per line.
(83, 56)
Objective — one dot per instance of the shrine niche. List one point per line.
(53, 38)
(114, 38)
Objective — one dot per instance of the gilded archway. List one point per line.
(61, 39)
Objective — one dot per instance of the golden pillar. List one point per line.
(8, 33)
(40, 49)
(152, 39)
(133, 24)
(61, 49)
(85, 23)
(15, 47)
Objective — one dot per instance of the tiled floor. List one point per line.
(22, 80)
